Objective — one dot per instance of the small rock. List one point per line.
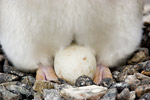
(30, 80)
(146, 73)
(40, 85)
(59, 87)
(7, 77)
(142, 89)
(110, 95)
(12, 70)
(133, 81)
(51, 94)
(10, 83)
(146, 96)
(124, 95)
(145, 81)
(84, 81)
(129, 70)
(139, 56)
(19, 90)
(132, 95)
(120, 86)
(7, 95)
(146, 70)
(141, 76)
(115, 74)
(91, 92)
(106, 82)
(37, 96)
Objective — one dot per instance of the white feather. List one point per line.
(31, 31)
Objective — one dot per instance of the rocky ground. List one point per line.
(130, 81)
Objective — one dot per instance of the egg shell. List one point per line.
(74, 61)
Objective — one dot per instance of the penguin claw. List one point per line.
(102, 72)
(46, 73)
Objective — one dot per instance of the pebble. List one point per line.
(124, 95)
(10, 83)
(51, 94)
(141, 76)
(12, 70)
(132, 95)
(145, 81)
(115, 74)
(139, 56)
(30, 80)
(84, 81)
(140, 90)
(37, 96)
(93, 92)
(146, 96)
(60, 87)
(120, 86)
(107, 82)
(7, 95)
(19, 90)
(40, 85)
(128, 70)
(133, 81)
(146, 70)
(4, 77)
(110, 95)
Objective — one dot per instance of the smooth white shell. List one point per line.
(74, 61)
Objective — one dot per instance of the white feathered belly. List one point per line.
(31, 31)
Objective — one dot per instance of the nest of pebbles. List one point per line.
(130, 81)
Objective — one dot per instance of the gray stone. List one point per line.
(146, 96)
(19, 90)
(83, 81)
(7, 77)
(40, 85)
(92, 92)
(120, 86)
(107, 82)
(132, 95)
(28, 80)
(133, 81)
(115, 74)
(12, 70)
(124, 95)
(141, 76)
(37, 96)
(7, 95)
(52, 94)
(142, 90)
(110, 95)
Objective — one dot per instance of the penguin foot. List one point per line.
(46, 73)
(102, 72)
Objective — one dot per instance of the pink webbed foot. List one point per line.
(102, 72)
(46, 73)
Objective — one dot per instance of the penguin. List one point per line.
(33, 31)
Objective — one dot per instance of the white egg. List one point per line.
(74, 61)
